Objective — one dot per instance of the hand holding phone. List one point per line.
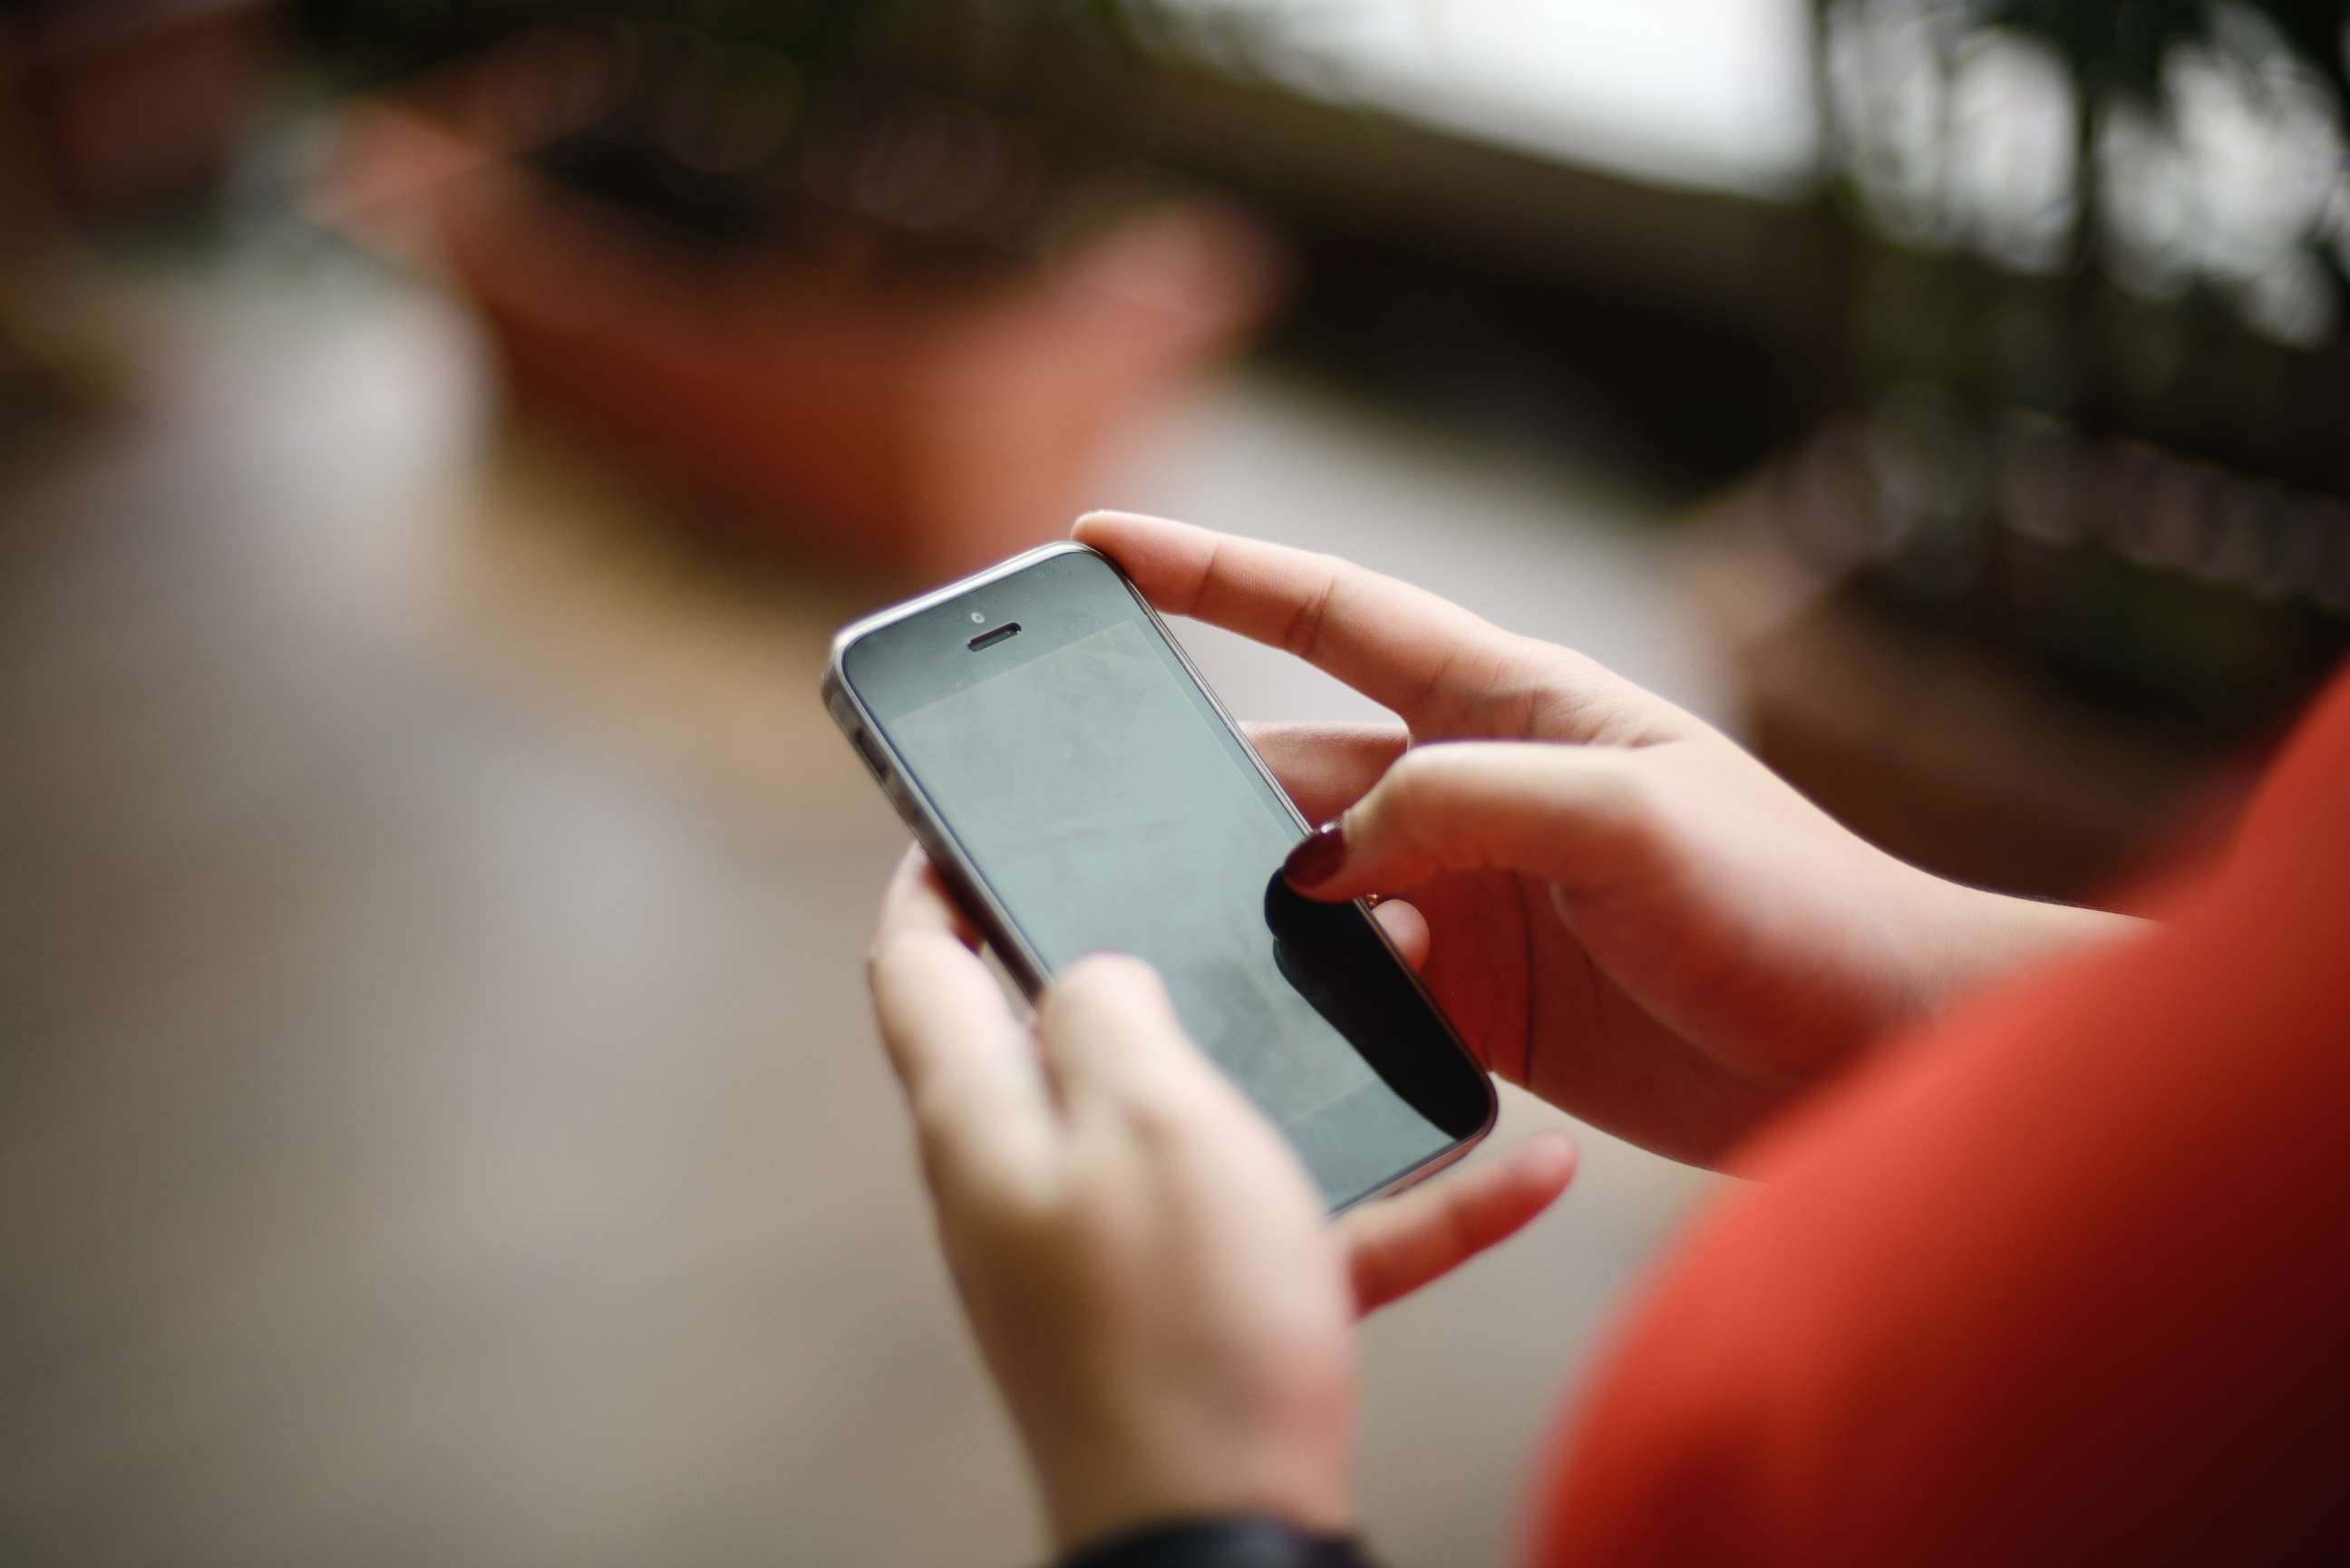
(1143, 1258)
(1141, 1252)
(1627, 913)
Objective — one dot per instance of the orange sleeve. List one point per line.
(2065, 1279)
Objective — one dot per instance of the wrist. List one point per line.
(1980, 939)
(1094, 1500)
(1099, 1489)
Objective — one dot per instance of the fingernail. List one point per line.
(1318, 859)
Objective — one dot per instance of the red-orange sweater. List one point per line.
(2064, 1279)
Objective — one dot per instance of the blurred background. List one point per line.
(438, 1117)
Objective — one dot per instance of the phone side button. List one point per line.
(900, 799)
(863, 741)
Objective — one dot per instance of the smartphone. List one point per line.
(1081, 790)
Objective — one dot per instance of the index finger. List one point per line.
(1402, 647)
(918, 899)
(970, 1076)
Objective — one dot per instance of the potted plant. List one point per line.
(821, 262)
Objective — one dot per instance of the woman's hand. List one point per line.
(1627, 913)
(1144, 1260)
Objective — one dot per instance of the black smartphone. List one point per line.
(1082, 791)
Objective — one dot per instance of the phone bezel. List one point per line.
(961, 872)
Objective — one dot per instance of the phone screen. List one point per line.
(1107, 808)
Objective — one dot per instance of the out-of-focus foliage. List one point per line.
(2101, 275)
(2172, 145)
(2118, 48)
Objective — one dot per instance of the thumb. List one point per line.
(1399, 1244)
(1565, 813)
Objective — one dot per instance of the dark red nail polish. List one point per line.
(1318, 859)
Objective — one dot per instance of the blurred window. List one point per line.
(1711, 94)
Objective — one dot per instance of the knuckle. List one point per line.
(1303, 632)
(986, 1193)
(1100, 980)
(1427, 777)
(1106, 973)
(1185, 1125)
(1619, 792)
(1423, 771)
(967, 1168)
(1407, 810)
(1554, 663)
(1544, 694)
(1163, 1121)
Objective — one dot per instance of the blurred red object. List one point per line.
(915, 431)
(134, 102)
